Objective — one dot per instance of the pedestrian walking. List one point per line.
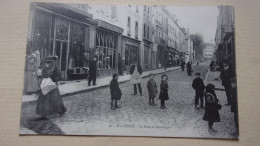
(136, 77)
(211, 109)
(115, 92)
(189, 69)
(92, 71)
(49, 101)
(225, 76)
(182, 65)
(199, 87)
(164, 91)
(234, 108)
(152, 90)
(211, 66)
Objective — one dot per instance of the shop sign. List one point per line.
(109, 26)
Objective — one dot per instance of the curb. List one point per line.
(99, 87)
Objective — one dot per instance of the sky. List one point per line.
(199, 19)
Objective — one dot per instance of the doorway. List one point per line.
(61, 50)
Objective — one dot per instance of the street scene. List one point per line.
(130, 71)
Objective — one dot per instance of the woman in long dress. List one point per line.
(31, 79)
(51, 103)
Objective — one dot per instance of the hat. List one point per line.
(210, 87)
(197, 73)
(50, 58)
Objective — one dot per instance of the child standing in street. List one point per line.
(115, 92)
(199, 87)
(212, 106)
(164, 91)
(152, 90)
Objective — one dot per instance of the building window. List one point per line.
(147, 32)
(144, 30)
(129, 26)
(144, 7)
(148, 9)
(113, 11)
(136, 30)
(137, 9)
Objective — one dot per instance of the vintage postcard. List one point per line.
(130, 70)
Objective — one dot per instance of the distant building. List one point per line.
(208, 51)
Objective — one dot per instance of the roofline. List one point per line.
(167, 12)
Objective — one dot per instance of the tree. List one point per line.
(198, 45)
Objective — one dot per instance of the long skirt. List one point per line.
(31, 83)
(50, 104)
(211, 115)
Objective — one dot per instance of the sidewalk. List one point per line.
(82, 85)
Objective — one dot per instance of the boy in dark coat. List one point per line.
(152, 90)
(211, 109)
(115, 92)
(199, 87)
(164, 91)
(182, 65)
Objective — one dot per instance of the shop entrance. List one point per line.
(61, 50)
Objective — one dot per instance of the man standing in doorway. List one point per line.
(182, 65)
(92, 71)
(225, 76)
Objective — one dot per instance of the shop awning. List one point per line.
(109, 26)
(69, 11)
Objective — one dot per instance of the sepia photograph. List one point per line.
(130, 70)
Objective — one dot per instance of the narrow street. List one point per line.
(89, 112)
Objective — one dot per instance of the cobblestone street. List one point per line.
(89, 113)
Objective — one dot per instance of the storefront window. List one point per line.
(131, 54)
(106, 50)
(77, 44)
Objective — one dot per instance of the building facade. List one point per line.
(65, 31)
(116, 35)
(149, 56)
(224, 38)
(208, 51)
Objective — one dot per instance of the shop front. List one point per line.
(173, 57)
(108, 38)
(130, 52)
(147, 55)
(58, 30)
(162, 56)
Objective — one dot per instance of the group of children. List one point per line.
(211, 101)
(152, 90)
